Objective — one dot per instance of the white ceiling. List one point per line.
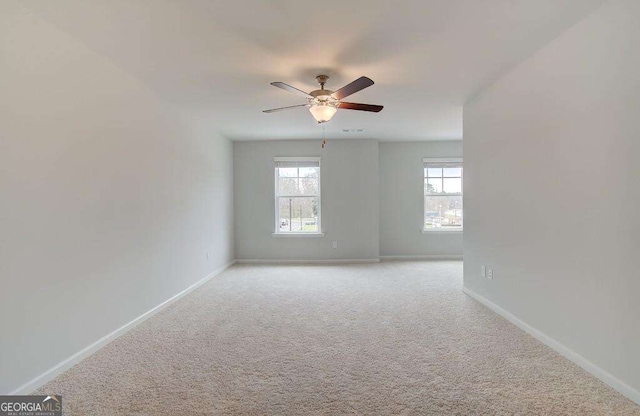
(216, 58)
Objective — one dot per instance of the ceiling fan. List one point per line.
(323, 104)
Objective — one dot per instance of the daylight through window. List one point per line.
(442, 194)
(297, 195)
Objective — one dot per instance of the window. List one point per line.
(442, 194)
(297, 195)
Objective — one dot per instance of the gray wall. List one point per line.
(109, 198)
(371, 200)
(349, 180)
(402, 201)
(552, 162)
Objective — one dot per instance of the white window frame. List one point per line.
(277, 232)
(440, 230)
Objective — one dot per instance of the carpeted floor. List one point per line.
(389, 338)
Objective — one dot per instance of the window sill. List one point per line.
(441, 231)
(287, 235)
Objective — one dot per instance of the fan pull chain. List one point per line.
(324, 142)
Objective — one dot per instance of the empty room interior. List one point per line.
(270, 207)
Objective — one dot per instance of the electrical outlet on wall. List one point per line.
(334, 244)
(490, 274)
(483, 271)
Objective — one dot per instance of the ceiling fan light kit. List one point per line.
(323, 104)
(322, 112)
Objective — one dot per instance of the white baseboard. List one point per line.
(63, 366)
(566, 352)
(321, 261)
(422, 257)
(351, 261)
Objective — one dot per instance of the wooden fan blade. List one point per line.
(362, 107)
(273, 110)
(357, 85)
(289, 88)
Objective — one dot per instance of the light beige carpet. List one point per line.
(390, 338)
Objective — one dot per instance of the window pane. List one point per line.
(299, 214)
(434, 185)
(453, 185)
(434, 172)
(455, 172)
(309, 186)
(298, 194)
(288, 186)
(443, 212)
(284, 218)
(306, 210)
(287, 172)
(309, 172)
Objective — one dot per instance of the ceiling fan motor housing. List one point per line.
(320, 93)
